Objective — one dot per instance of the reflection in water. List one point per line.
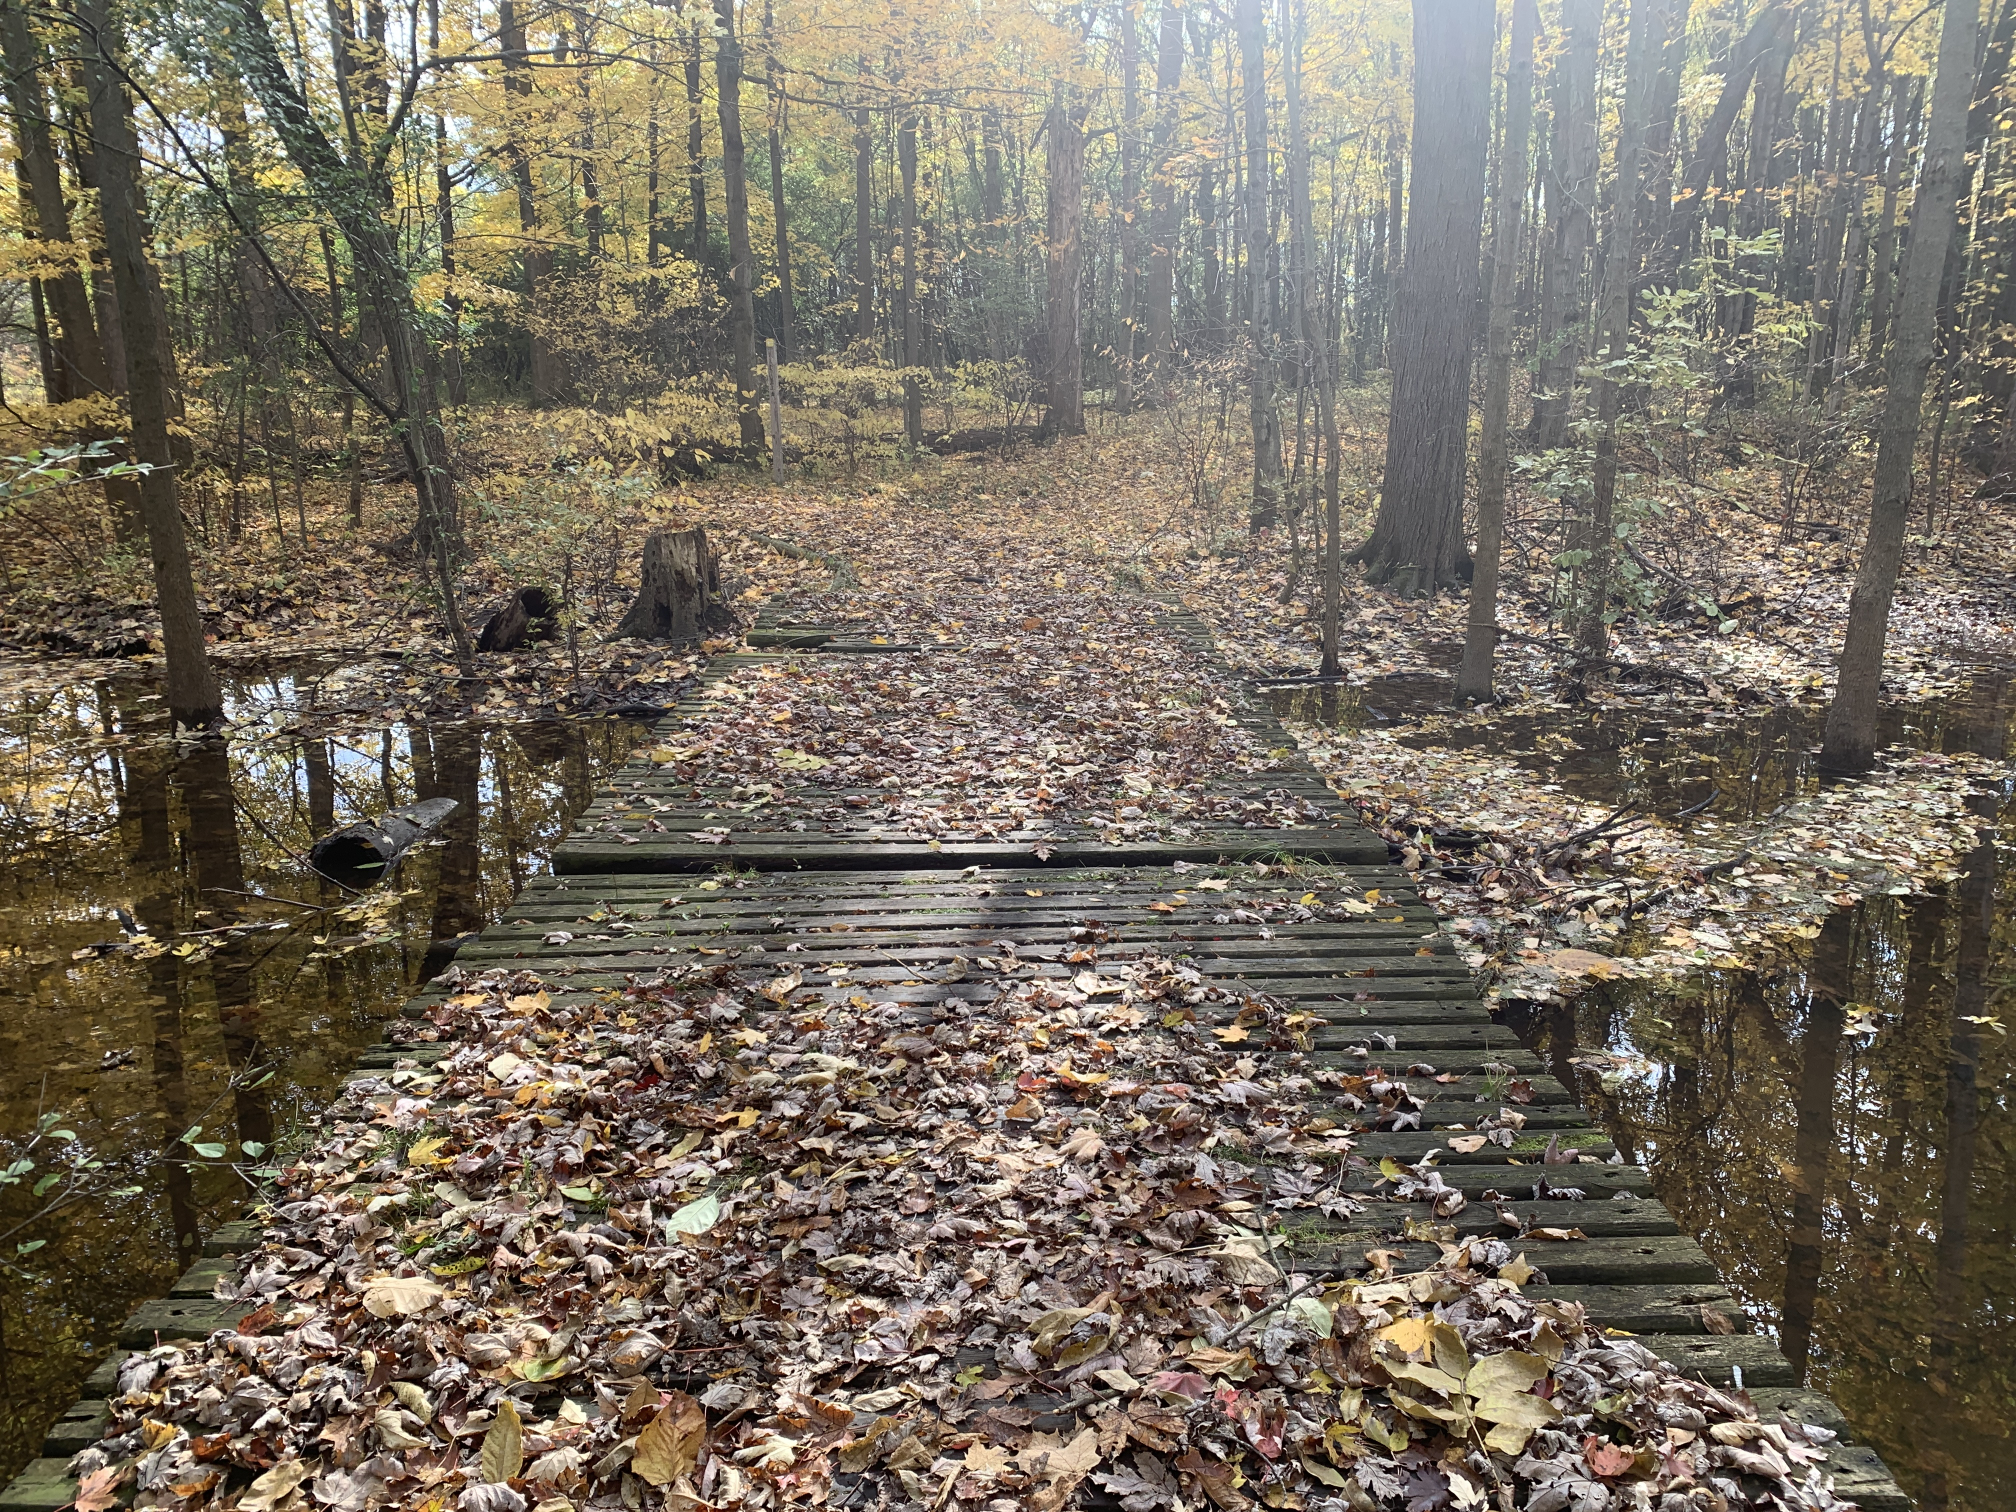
(1836, 1127)
(165, 965)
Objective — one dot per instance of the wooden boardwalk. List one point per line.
(1338, 929)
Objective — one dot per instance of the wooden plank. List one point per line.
(177, 1318)
(42, 1486)
(1604, 1261)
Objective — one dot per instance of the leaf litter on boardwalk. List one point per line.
(1000, 1259)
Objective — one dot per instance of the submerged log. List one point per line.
(361, 854)
(528, 615)
(680, 599)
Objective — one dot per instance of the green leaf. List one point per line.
(252, 1147)
(30, 1247)
(66, 1135)
(209, 1151)
(47, 1182)
(696, 1217)
(578, 1193)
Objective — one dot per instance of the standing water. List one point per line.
(180, 993)
(1834, 1122)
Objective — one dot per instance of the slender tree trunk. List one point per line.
(1164, 227)
(1850, 741)
(908, 325)
(1571, 209)
(1882, 275)
(1321, 356)
(193, 696)
(696, 151)
(358, 199)
(864, 228)
(1129, 208)
(1711, 143)
(1065, 269)
(741, 260)
(80, 358)
(1418, 536)
(1249, 18)
(1473, 681)
(1593, 631)
(546, 375)
(787, 340)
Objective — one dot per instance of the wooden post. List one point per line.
(776, 418)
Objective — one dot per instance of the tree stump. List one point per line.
(528, 615)
(680, 599)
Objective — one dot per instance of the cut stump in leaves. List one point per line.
(681, 598)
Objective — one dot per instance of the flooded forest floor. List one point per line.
(1785, 995)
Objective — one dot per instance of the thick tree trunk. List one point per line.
(1850, 742)
(741, 261)
(1571, 205)
(1065, 369)
(680, 598)
(193, 696)
(1593, 629)
(1418, 536)
(1164, 228)
(1883, 272)
(1473, 681)
(1249, 18)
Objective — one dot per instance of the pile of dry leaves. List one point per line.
(702, 1244)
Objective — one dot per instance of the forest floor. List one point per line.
(1566, 820)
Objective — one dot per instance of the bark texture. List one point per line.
(680, 598)
(1418, 536)
(1473, 679)
(741, 260)
(1850, 741)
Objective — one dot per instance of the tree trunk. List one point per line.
(1316, 344)
(908, 324)
(1711, 145)
(547, 372)
(1571, 201)
(741, 261)
(680, 598)
(1850, 741)
(1249, 18)
(864, 231)
(1473, 681)
(696, 151)
(1129, 208)
(1065, 370)
(193, 696)
(787, 340)
(1593, 631)
(1163, 226)
(358, 198)
(74, 344)
(1882, 274)
(1418, 536)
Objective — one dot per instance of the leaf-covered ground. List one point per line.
(699, 1245)
(1031, 560)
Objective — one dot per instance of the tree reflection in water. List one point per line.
(243, 1030)
(1836, 1127)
